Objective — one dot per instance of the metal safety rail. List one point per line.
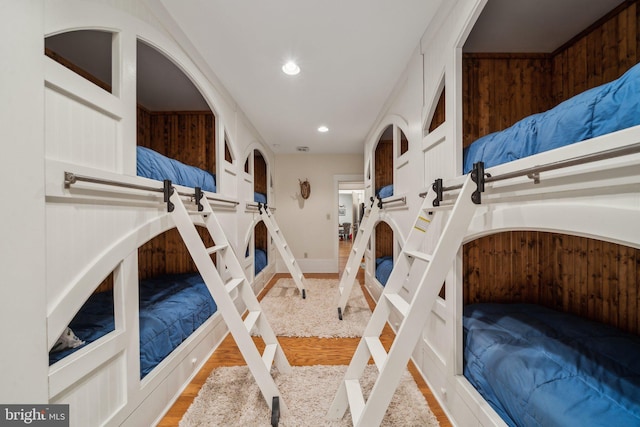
(534, 172)
(71, 178)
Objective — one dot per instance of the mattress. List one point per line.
(171, 308)
(386, 191)
(384, 265)
(259, 260)
(153, 165)
(540, 367)
(260, 198)
(595, 112)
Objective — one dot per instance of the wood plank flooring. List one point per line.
(299, 351)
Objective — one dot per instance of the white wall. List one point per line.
(310, 226)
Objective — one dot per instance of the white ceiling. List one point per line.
(351, 53)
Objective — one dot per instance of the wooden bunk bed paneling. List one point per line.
(384, 252)
(383, 164)
(590, 278)
(187, 136)
(259, 173)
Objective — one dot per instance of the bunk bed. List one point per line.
(531, 364)
(599, 111)
(384, 265)
(118, 356)
(537, 366)
(384, 252)
(172, 307)
(383, 164)
(153, 165)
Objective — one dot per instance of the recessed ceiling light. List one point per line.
(290, 68)
(323, 129)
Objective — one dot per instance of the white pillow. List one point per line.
(67, 340)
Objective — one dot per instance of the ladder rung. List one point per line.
(251, 320)
(356, 400)
(419, 255)
(198, 213)
(341, 289)
(377, 351)
(217, 248)
(353, 249)
(347, 270)
(399, 303)
(232, 284)
(269, 354)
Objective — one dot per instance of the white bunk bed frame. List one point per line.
(589, 189)
(93, 231)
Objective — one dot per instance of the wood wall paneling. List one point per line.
(383, 164)
(259, 173)
(167, 254)
(500, 89)
(587, 277)
(384, 240)
(261, 236)
(439, 113)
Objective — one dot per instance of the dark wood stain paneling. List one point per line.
(261, 236)
(384, 240)
(439, 115)
(500, 89)
(188, 137)
(383, 164)
(167, 254)
(259, 173)
(591, 278)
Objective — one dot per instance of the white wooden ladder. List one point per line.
(223, 291)
(283, 248)
(416, 270)
(355, 256)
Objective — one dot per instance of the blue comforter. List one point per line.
(384, 265)
(153, 165)
(386, 191)
(598, 111)
(259, 260)
(260, 198)
(540, 367)
(171, 308)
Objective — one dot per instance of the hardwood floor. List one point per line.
(299, 351)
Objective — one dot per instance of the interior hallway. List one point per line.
(299, 351)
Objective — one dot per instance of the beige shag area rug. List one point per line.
(231, 397)
(317, 315)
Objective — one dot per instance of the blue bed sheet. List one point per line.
(384, 265)
(171, 308)
(153, 165)
(259, 260)
(595, 112)
(386, 191)
(540, 367)
(260, 198)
